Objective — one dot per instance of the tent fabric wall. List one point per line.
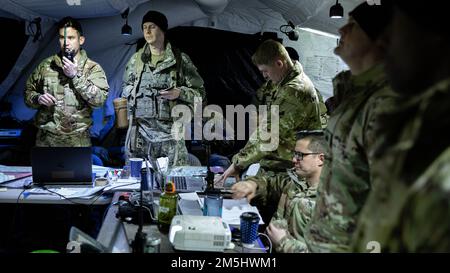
(102, 23)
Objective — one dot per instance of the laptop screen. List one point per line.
(61, 165)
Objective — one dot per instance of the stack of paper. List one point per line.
(191, 204)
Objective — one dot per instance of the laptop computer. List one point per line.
(188, 178)
(61, 165)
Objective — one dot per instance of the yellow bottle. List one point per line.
(167, 206)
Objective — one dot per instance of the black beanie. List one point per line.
(374, 18)
(157, 18)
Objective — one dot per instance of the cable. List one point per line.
(150, 213)
(293, 34)
(259, 248)
(137, 202)
(62, 196)
(268, 239)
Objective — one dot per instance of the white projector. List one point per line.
(200, 233)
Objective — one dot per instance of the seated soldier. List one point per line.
(297, 202)
(299, 193)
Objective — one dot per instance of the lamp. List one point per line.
(126, 29)
(292, 34)
(337, 11)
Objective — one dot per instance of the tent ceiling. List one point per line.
(304, 13)
(76, 8)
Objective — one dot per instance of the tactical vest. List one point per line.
(147, 102)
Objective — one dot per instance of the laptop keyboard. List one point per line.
(180, 182)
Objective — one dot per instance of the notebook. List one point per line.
(61, 165)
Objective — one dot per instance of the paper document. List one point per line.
(232, 210)
(125, 184)
(163, 164)
(192, 204)
(84, 193)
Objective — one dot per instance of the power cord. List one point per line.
(134, 198)
(269, 248)
(62, 196)
(268, 239)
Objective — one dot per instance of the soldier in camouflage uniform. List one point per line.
(157, 78)
(65, 92)
(299, 109)
(264, 92)
(408, 209)
(364, 95)
(286, 229)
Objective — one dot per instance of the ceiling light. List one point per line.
(337, 11)
(126, 29)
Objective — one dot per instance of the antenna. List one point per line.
(65, 37)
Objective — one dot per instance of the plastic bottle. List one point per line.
(167, 206)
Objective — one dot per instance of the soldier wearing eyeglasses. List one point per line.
(298, 192)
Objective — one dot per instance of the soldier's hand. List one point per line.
(275, 234)
(244, 189)
(170, 94)
(46, 99)
(70, 69)
(231, 171)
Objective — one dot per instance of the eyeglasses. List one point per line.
(300, 155)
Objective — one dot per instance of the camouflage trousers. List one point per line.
(175, 150)
(48, 139)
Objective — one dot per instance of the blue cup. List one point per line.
(212, 205)
(249, 228)
(135, 167)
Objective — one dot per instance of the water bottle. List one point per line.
(167, 206)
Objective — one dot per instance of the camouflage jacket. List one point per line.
(270, 186)
(409, 207)
(294, 212)
(75, 97)
(323, 111)
(142, 82)
(299, 109)
(345, 179)
(263, 96)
